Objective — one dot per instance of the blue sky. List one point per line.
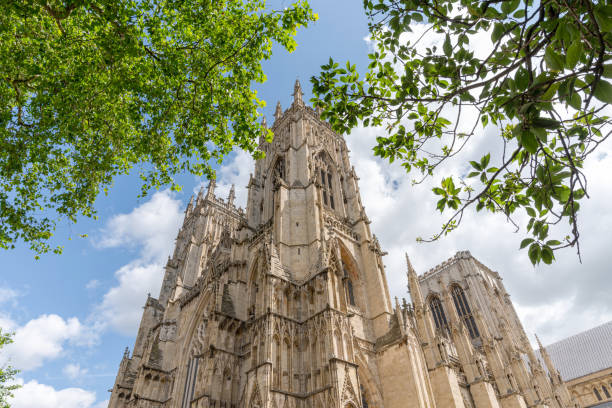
(75, 313)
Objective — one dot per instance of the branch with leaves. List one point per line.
(542, 83)
(93, 89)
(7, 374)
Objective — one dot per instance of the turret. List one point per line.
(189, 208)
(413, 286)
(210, 192)
(297, 93)
(278, 112)
(231, 196)
(554, 374)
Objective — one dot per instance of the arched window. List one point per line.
(438, 313)
(605, 390)
(364, 398)
(350, 292)
(325, 174)
(192, 369)
(597, 394)
(279, 168)
(464, 311)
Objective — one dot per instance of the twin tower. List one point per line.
(286, 304)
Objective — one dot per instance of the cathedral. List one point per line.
(286, 305)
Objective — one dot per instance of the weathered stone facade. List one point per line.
(286, 304)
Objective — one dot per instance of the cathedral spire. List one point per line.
(232, 195)
(278, 112)
(297, 93)
(189, 206)
(210, 192)
(554, 374)
(413, 285)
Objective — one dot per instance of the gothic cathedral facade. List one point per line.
(286, 304)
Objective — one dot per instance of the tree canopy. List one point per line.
(7, 374)
(539, 75)
(91, 89)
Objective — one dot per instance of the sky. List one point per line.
(74, 314)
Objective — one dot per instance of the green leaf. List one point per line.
(528, 141)
(574, 52)
(498, 31)
(526, 242)
(534, 253)
(447, 47)
(547, 255)
(509, 6)
(603, 91)
(554, 61)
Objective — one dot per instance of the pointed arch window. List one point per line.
(438, 313)
(597, 394)
(192, 369)
(326, 177)
(605, 390)
(364, 398)
(279, 168)
(464, 311)
(350, 292)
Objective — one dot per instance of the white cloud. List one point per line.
(234, 171)
(44, 338)
(35, 395)
(74, 371)
(149, 228)
(8, 295)
(121, 307)
(92, 284)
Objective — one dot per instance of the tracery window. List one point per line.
(438, 313)
(350, 292)
(364, 398)
(464, 311)
(279, 168)
(597, 394)
(325, 174)
(192, 369)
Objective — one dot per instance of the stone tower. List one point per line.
(286, 305)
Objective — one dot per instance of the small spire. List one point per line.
(190, 205)
(231, 196)
(297, 93)
(279, 111)
(126, 353)
(413, 285)
(264, 122)
(211, 188)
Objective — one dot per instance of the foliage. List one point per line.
(90, 89)
(542, 86)
(7, 374)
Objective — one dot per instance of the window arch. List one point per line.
(438, 313)
(597, 394)
(279, 168)
(325, 175)
(464, 311)
(605, 390)
(350, 291)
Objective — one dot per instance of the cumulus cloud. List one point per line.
(74, 371)
(35, 395)
(234, 171)
(121, 306)
(44, 338)
(149, 229)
